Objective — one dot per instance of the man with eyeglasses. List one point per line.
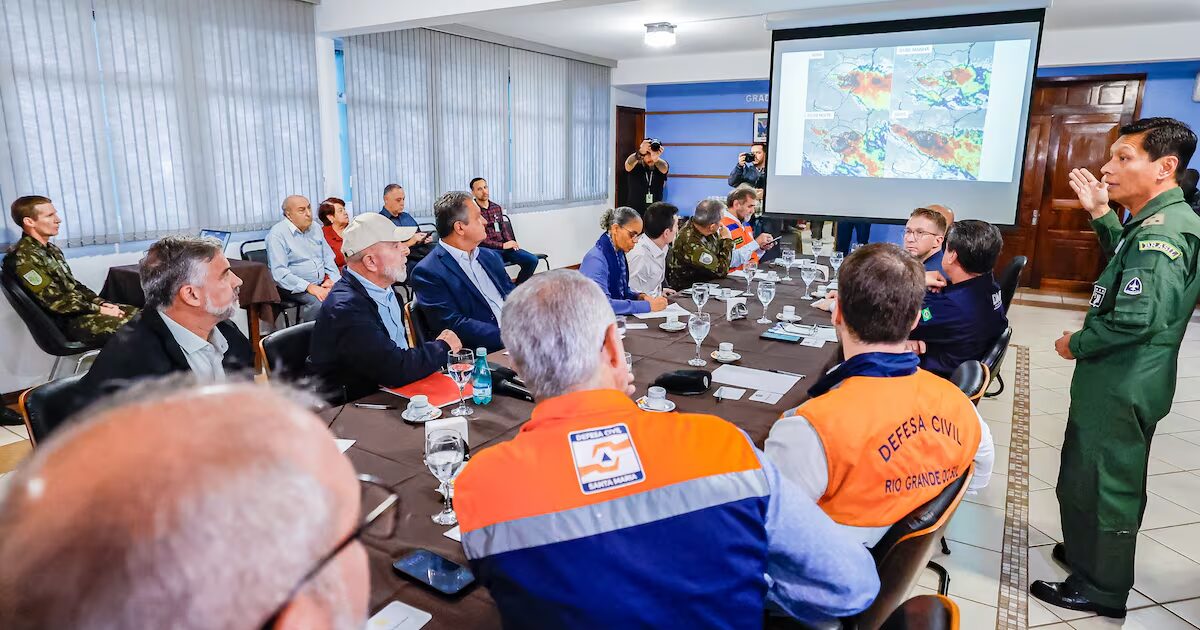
(210, 527)
(923, 237)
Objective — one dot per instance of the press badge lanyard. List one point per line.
(649, 184)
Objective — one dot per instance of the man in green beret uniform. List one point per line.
(1126, 357)
(42, 270)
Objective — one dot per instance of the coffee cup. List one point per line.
(789, 312)
(672, 319)
(419, 407)
(725, 348)
(726, 293)
(656, 398)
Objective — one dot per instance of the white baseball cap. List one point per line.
(367, 229)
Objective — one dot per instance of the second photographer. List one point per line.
(647, 174)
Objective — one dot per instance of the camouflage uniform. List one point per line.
(697, 258)
(44, 273)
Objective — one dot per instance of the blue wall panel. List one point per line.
(729, 127)
(692, 96)
(687, 192)
(703, 160)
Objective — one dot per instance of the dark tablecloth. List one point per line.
(388, 447)
(258, 290)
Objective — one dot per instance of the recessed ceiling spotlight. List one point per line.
(660, 34)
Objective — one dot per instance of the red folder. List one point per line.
(439, 387)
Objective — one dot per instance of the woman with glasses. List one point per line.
(605, 264)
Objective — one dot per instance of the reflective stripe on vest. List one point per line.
(742, 235)
(891, 444)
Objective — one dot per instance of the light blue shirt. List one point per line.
(478, 276)
(298, 259)
(389, 309)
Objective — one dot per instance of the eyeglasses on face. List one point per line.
(633, 236)
(915, 234)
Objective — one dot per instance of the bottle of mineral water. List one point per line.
(481, 381)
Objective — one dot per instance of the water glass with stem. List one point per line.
(444, 455)
(788, 256)
(766, 293)
(835, 261)
(700, 295)
(461, 366)
(751, 268)
(698, 326)
(808, 273)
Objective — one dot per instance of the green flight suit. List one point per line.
(695, 257)
(1126, 357)
(43, 271)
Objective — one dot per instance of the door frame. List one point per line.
(619, 155)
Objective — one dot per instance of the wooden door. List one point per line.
(1073, 121)
(631, 128)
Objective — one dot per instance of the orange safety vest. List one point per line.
(892, 443)
(742, 236)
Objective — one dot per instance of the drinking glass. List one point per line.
(629, 363)
(444, 454)
(461, 365)
(788, 256)
(751, 268)
(621, 324)
(808, 273)
(700, 295)
(766, 293)
(835, 261)
(698, 326)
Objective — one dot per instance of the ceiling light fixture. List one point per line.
(660, 34)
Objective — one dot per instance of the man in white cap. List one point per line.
(359, 341)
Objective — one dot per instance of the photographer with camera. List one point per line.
(647, 173)
(751, 169)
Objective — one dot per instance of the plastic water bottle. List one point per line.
(481, 381)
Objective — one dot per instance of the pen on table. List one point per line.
(374, 406)
(787, 373)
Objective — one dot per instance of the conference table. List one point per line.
(389, 448)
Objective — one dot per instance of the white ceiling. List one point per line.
(615, 30)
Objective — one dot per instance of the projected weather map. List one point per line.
(901, 112)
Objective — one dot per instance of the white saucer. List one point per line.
(732, 294)
(641, 403)
(669, 327)
(429, 415)
(791, 320)
(725, 358)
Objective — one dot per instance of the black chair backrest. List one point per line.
(250, 251)
(924, 612)
(995, 354)
(971, 377)
(46, 334)
(1010, 279)
(420, 321)
(48, 405)
(285, 352)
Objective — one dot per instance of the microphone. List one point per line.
(509, 388)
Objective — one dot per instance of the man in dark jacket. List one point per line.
(191, 293)
(962, 320)
(359, 341)
(461, 285)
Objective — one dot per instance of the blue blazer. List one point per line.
(351, 348)
(452, 302)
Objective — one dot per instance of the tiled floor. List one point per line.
(10, 437)
(1167, 589)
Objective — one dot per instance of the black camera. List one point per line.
(749, 157)
(655, 145)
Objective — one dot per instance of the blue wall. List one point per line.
(1168, 92)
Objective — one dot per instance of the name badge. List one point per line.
(649, 197)
(496, 226)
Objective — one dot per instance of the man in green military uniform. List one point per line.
(1126, 356)
(703, 249)
(42, 269)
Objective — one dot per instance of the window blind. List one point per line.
(146, 118)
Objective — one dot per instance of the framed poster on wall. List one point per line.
(760, 127)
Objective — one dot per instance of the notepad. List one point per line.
(673, 309)
(750, 378)
(440, 389)
(398, 616)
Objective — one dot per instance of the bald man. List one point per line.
(121, 520)
(301, 261)
(946, 213)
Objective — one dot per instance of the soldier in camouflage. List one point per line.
(1126, 357)
(42, 270)
(703, 249)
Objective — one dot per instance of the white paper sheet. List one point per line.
(398, 616)
(826, 333)
(729, 393)
(769, 398)
(453, 533)
(636, 326)
(813, 342)
(750, 378)
(673, 309)
(344, 445)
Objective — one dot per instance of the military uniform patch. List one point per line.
(706, 259)
(34, 278)
(1097, 296)
(1163, 247)
(1133, 287)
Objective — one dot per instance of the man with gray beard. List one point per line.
(359, 341)
(191, 294)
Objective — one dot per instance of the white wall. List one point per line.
(355, 17)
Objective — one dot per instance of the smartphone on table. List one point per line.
(435, 572)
